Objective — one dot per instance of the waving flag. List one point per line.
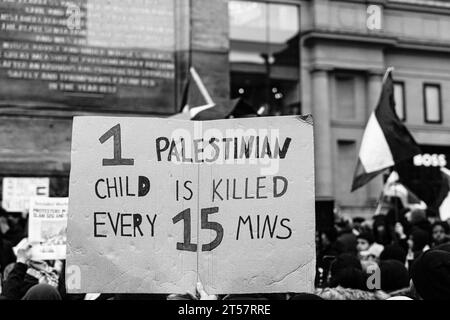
(394, 188)
(444, 207)
(386, 140)
(196, 98)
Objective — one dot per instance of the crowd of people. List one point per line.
(404, 254)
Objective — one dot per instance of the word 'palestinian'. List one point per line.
(214, 149)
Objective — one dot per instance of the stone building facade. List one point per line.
(341, 48)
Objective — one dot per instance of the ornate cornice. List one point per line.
(313, 36)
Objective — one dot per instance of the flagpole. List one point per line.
(201, 86)
(204, 92)
(395, 196)
(380, 198)
(386, 74)
(380, 203)
(395, 204)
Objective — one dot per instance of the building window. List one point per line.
(345, 93)
(400, 100)
(432, 103)
(265, 55)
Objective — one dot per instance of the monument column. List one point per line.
(322, 133)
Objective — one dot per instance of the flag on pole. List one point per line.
(386, 140)
(444, 208)
(225, 109)
(196, 98)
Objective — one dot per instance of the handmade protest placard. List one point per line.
(159, 204)
(17, 192)
(47, 227)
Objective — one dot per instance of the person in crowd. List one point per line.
(364, 241)
(443, 247)
(17, 284)
(381, 230)
(397, 212)
(42, 291)
(346, 271)
(417, 218)
(27, 273)
(360, 225)
(305, 296)
(7, 255)
(393, 276)
(394, 252)
(340, 293)
(351, 278)
(346, 237)
(440, 233)
(401, 237)
(418, 242)
(329, 245)
(430, 275)
(368, 249)
(11, 226)
(328, 250)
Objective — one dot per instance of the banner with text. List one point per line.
(159, 204)
(17, 192)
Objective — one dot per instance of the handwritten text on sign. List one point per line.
(158, 202)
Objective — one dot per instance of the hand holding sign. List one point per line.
(24, 252)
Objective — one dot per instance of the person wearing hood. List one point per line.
(346, 239)
(7, 255)
(381, 230)
(394, 252)
(11, 227)
(417, 218)
(443, 247)
(346, 271)
(42, 291)
(418, 242)
(393, 276)
(430, 275)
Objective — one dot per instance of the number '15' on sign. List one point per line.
(187, 245)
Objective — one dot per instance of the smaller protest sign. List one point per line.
(47, 228)
(17, 192)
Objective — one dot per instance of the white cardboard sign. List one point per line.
(159, 204)
(47, 226)
(17, 192)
